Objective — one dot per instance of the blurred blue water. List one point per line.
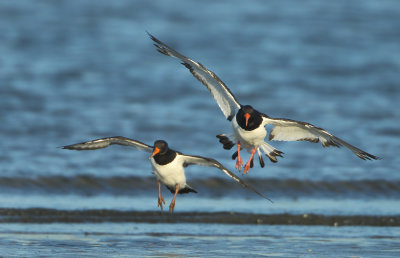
(76, 71)
(72, 71)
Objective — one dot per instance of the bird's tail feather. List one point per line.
(271, 152)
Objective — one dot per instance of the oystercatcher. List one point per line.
(168, 165)
(249, 124)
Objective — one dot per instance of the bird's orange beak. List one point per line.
(247, 116)
(156, 150)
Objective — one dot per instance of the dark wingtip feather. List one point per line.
(272, 159)
(152, 37)
(331, 143)
(161, 50)
(271, 136)
(262, 164)
(278, 153)
(158, 45)
(188, 66)
(234, 155)
(272, 155)
(227, 144)
(367, 156)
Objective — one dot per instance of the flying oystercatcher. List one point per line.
(249, 124)
(168, 165)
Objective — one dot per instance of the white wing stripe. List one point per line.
(291, 130)
(281, 133)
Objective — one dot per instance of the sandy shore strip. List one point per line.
(40, 215)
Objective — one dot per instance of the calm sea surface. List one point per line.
(72, 71)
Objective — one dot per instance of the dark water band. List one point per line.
(211, 186)
(38, 215)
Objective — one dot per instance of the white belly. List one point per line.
(170, 174)
(249, 139)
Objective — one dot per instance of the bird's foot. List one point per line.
(249, 163)
(160, 202)
(247, 167)
(239, 163)
(171, 207)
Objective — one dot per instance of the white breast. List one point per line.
(170, 174)
(249, 139)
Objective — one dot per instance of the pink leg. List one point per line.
(239, 161)
(172, 205)
(247, 166)
(160, 198)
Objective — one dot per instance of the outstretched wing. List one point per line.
(291, 130)
(202, 161)
(222, 95)
(105, 142)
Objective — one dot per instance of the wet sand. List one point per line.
(39, 215)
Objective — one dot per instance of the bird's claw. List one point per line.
(171, 207)
(160, 202)
(239, 163)
(246, 168)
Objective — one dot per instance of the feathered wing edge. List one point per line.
(292, 130)
(221, 93)
(202, 161)
(105, 142)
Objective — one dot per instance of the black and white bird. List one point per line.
(168, 165)
(249, 124)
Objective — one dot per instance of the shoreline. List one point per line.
(41, 215)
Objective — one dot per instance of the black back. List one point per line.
(185, 190)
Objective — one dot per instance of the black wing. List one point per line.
(202, 161)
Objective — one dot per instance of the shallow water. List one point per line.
(130, 239)
(75, 71)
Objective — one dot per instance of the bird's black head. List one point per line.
(160, 148)
(162, 155)
(248, 118)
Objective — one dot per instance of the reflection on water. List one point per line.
(127, 239)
